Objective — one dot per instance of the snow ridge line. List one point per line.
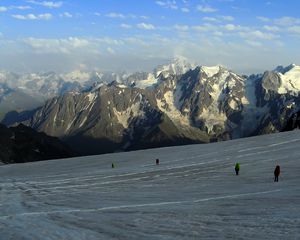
(31, 214)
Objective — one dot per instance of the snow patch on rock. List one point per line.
(149, 81)
(233, 104)
(130, 113)
(168, 105)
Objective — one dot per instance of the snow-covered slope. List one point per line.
(192, 194)
(290, 80)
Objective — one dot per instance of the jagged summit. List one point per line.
(283, 70)
(213, 70)
(176, 66)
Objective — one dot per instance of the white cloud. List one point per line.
(185, 10)
(3, 9)
(294, 29)
(66, 45)
(77, 42)
(145, 26)
(160, 3)
(21, 7)
(228, 18)
(254, 43)
(126, 26)
(115, 15)
(45, 16)
(205, 27)
(210, 19)
(122, 16)
(287, 21)
(108, 41)
(110, 50)
(218, 19)
(48, 4)
(231, 27)
(181, 27)
(271, 28)
(139, 53)
(256, 34)
(168, 4)
(263, 19)
(206, 9)
(144, 17)
(218, 33)
(66, 14)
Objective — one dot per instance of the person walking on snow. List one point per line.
(276, 173)
(237, 168)
(157, 161)
(112, 165)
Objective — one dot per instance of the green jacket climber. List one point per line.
(237, 168)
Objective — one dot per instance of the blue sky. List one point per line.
(243, 35)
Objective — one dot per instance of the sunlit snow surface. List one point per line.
(192, 194)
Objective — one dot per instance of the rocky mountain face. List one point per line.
(293, 122)
(24, 92)
(23, 144)
(112, 117)
(175, 104)
(278, 98)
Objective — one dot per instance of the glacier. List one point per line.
(192, 194)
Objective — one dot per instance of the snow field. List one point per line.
(192, 194)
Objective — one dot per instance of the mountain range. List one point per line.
(19, 92)
(178, 103)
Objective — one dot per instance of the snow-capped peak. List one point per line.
(293, 73)
(290, 79)
(177, 66)
(211, 71)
